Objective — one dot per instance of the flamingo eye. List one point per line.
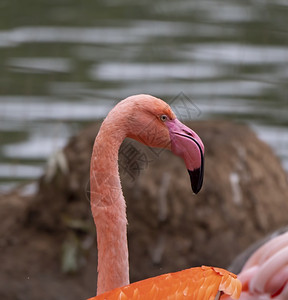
(163, 118)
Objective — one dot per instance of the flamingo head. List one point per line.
(153, 123)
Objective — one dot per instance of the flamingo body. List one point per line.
(150, 121)
(195, 284)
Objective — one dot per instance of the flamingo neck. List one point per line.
(109, 209)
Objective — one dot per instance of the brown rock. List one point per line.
(244, 197)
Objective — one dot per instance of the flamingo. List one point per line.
(151, 121)
(265, 274)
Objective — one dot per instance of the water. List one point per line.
(64, 64)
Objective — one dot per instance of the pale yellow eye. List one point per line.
(163, 118)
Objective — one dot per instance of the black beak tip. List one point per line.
(196, 178)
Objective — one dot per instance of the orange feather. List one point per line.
(196, 284)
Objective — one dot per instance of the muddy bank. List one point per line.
(48, 239)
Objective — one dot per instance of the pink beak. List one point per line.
(188, 145)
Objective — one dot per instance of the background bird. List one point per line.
(264, 276)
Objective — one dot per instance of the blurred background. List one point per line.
(64, 64)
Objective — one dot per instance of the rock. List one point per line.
(244, 197)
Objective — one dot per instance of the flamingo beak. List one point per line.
(188, 145)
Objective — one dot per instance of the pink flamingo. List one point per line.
(265, 274)
(151, 121)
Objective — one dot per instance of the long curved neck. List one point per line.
(109, 208)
